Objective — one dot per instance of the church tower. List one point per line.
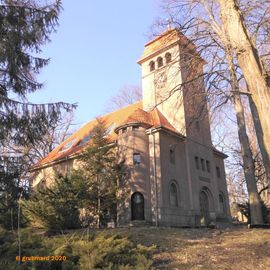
(172, 82)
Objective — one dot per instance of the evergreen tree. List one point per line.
(24, 27)
(101, 169)
(57, 207)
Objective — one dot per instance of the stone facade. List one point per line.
(175, 176)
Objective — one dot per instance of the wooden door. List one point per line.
(204, 206)
(137, 206)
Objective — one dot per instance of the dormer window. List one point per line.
(110, 129)
(68, 145)
(85, 140)
(160, 62)
(168, 58)
(152, 65)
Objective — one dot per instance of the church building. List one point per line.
(175, 175)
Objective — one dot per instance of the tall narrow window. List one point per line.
(208, 166)
(168, 57)
(202, 164)
(197, 125)
(222, 206)
(197, 163)
(173, 195)
(152, 66)
(218, 172)
(136, 158)
(172, 156)
(160, 61)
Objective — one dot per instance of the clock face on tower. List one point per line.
(160, 79)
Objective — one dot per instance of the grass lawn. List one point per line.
(236, 248)
(232, 249)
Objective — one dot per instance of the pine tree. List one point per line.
(24, 27)
(101, 168)
(56, 207)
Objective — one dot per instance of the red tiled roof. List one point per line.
(159, 120)
(138, 116)
(125, 116)
(108, 119)
(164, 40)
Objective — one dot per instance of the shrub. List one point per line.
(111, 252)
(245, 210)
(56, 207)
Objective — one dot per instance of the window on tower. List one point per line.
(218, 172)
(152, 65)
(208, 168)
(136, 158)
(202, 164)
(160, 62)
(168, 57)
(172, 156)
(197, 163)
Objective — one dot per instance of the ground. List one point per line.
(205, 249)
(235, 248)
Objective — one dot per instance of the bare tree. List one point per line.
(128, 94)
(33, 152)
(200, 21)
(245, 47)
(248, 163)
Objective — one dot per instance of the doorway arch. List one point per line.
(137, 206)
(204, 208)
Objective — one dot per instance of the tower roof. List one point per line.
(163, 41)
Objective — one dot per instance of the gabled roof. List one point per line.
(114, 118)
(132, 114)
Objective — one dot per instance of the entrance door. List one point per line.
(204, 206)
(137, 206)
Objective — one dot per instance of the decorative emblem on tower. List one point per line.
(160, 79)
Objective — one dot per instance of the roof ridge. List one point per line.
(122, 108)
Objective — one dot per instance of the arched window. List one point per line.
(168, 57)
(160, 62)
(222, 206)
(173, 195)
(152, 65)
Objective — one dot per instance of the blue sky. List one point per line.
(94, 53)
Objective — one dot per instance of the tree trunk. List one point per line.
(259, 135)
(98, 203)
(249, 62)
(248, 162)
